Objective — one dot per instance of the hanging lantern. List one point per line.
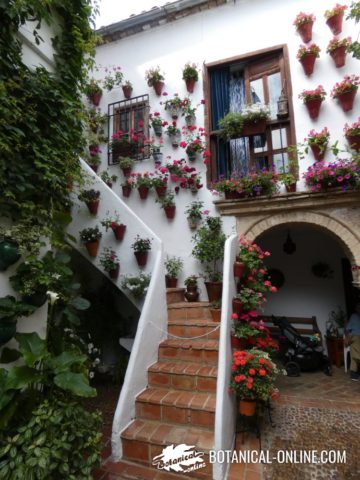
(282, 105)
(289, 246)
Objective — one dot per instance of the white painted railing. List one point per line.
(152, 325)
(225, 414)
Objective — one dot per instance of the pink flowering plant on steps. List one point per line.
(341, 173)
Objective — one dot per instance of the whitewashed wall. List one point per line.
(230, 30)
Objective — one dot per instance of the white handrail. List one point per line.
(225, 413)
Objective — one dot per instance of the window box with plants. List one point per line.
(345, 91)
(10, 310)
(192, 291)
(141, 247)
(127, 89)
(209, 243)
(115, 224)
(167, 202)
(126, 164)
(194, 214)
(307, 56)
(90, 237)
(123, 144)
(143, 182)
(337, 49)
(250, 121)
(334, 18)
(304, 23)
(108, 179)
(191, 75)
(313, 99)
(173, 266)
(155, 78)
(352, 134)
(92, 199)
(137, 285)
(341, 173)
(110, 262)
(93, 91)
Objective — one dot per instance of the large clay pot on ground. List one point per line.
(214, 290)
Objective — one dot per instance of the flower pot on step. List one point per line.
(247, 407)
(92, 248)
(318, 152)
(214, 290)
(93, 207)
(346, 100)
(170, 282)
(119, 231)
(290, 188)
(215, 314)
(115, 272)
(354, 141)
(335, 23)
(305, 31)
(308, 62)
(170, 212)
(141, 258)
(313, 107)
(190, 84)
(192, 293)
(9, 254)
(158, 86)
(143, 192)
(339, 56)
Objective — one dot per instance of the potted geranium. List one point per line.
(313, 99)
(304, 23)
(174, 133)
(127, 186)
(189, 112)
(126, 164)
(108, 179)
(345, 91)
(160, 181)
(192, 292)
(340, 173)
(110, 262)
(352, 134)
(250, 121)
(190, 75)
(143, 183)
(247, 299)
(173, 266)
(318, 142)
(262, 182)
(174, 106)
(91, 198)
(337, 49)
(157, 123)
(93, 91)
(137, 285)
(307, 56)
(90, 237)
(253, 378)
(230, 187)
(193, 143)
(96, 120)
(167, 202)
(155, 79)
(141, 247)
(115, 224)
(288, 179)
(194, 213)
(334, 18)
(127, 89)
(113, 78)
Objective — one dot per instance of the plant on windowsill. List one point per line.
(304, 23)
(174, 133)
(155, 78)
(342, 173)
(91, 198)
(288, 179)
(113, 78)
(108, 179)
(307, 56)
(312, 99)
(137, 285)
(250, 121)
(141, 247)
(352, 134)
(318, 142)
(190, 75)
(337, 49)
(173, 266)
(174, 106)
(167, 202)
(93, 91)
(262, 182)
(127, 88)
(90, 237)
(110, 262)
(334, 18)
(126, 164)
(115, 224)
(345, 91)
(123, 144)
(194, 213)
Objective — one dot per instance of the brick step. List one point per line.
(185, 376)
(188, 310)
(145, 439)
(177, 407)
(196, 351)
(190, 328)
(125, 470)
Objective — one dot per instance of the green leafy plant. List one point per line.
(154, 75)
(93, 87)
(142, 179)
(173, 266)
(194, 210)
(173, 129)
(126, 162)
(311, 49)
(167, 200)
(89, 195)
(137, 285)
(105, 177)
(11, 309)
(111, 221)
(113, 78)
(354, 13)
(141, 244)
(108, 259)
(190, 72)
(91, 234)
(191, 281)
(175, 102)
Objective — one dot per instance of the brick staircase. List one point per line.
(179, 404)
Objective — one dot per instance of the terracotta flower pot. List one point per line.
(190, 84)
(170, 282)
(290, 188)
(305, 31)
(335, 23)
(354, 141)
(237, 306)
(239, 268)
(158, 86)
(160, 191)
(238, 343)
(126, 191)
(115, 272)
(214, 290)
(254, 128)
(95, 98)
(215, 314)
(308, 62)
(346, 100)
(313, 107)
(126, 172)
(119, 231)
(319, 153)
(141, 258)
(143, 192)
(192, 222)
(93, 206)
(247, 407)
(339, 56)
(170, 211)
(92, 248)
(127, 91)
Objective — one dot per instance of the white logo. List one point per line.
(181, 458)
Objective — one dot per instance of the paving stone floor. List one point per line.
(314, 412)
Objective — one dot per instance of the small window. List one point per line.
(132, 118)
(258, 78)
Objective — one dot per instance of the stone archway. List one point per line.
(344, 235)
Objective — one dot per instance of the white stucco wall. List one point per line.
(230, 30)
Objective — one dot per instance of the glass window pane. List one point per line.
(257, 91)
(261, 163)
(260, 143)
(274, 81)
(281, 162)
(279, 139)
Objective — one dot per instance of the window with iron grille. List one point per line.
(130, 120)
(257, 78)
